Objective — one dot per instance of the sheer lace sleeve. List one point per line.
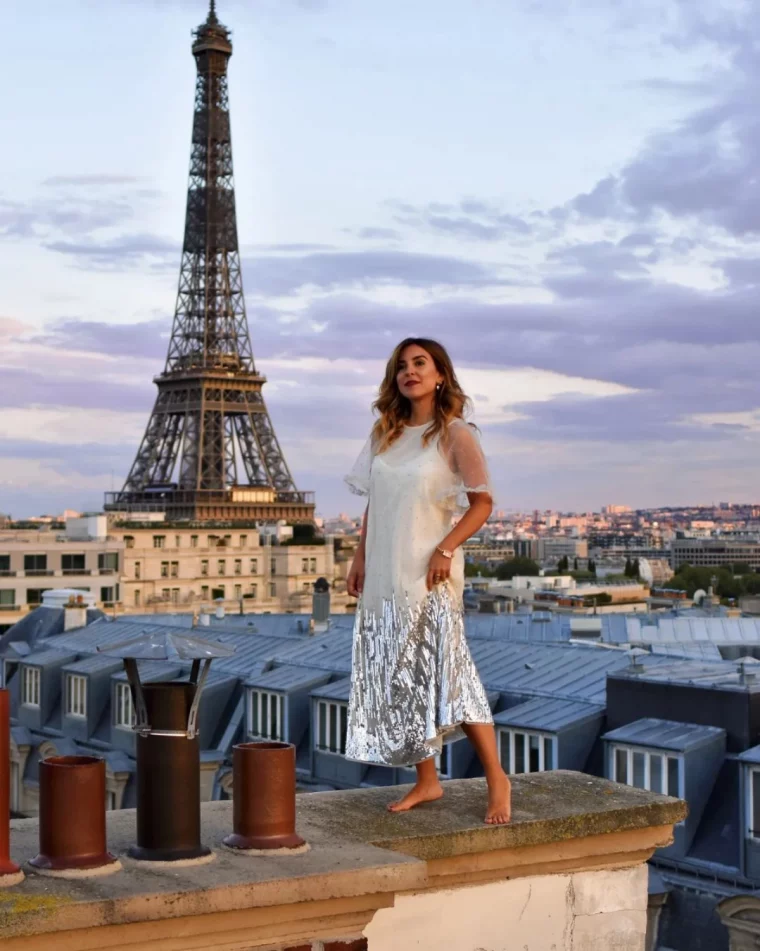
(358, 478)
(468, 465)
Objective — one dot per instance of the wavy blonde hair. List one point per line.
(394, 409)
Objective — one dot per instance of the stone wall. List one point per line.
(568, 874)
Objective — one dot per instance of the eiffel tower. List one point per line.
(209, 451)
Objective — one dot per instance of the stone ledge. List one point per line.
(361, 857)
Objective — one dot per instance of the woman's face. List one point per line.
(417, 375)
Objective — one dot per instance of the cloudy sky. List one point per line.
(565, 192)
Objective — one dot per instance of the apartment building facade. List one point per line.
(33, 561)
(182, 568)
(714, 553)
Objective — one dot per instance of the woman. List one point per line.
(413, 679)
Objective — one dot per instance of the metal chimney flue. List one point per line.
(73, 818)
(167, 745)
(748, 670)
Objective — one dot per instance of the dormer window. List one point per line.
(124, 711)
(753, 804)
(332, 726)
(266, 715)
(30, 688)
(76, 695)
(647, 769)
(526, 752)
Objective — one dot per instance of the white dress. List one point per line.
(413, 679)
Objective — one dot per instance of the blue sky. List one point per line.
(565, 193)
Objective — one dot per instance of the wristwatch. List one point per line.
(445, 552)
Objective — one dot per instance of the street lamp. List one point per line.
(168, 747)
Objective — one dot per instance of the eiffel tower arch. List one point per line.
(210, 451)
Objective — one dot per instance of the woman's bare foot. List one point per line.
(422, 792)
(499, 800)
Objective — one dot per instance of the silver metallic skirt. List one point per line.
(413, 681)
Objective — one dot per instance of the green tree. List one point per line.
(563, 564)
(517, 566)
(635, 566)
(628, 568)
(741, 568)
(592, 567)
(575, 564)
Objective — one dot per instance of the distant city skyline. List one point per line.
(567, 199)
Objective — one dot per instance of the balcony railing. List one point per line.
(38, 572)
(7, 573)
(77, 571)
(9, 607)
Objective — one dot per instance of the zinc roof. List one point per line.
(664, 734)
(548, 714)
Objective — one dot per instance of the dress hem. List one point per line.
(442, 733)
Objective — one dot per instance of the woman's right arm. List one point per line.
(355, 580)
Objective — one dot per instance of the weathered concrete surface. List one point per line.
(547, 807)
(357, 849)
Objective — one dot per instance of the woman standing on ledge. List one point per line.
(413, 679)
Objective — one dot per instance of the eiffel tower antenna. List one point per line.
(209, 451)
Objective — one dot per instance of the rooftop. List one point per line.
(357, 850)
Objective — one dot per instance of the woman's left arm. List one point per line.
(474, 518)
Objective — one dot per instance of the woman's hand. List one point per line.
(439, 569)
(355, 580)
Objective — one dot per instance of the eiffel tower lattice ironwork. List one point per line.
(209, 451)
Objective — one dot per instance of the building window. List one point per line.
(204, 592)
(165, 594)
(193, 541)
(72, 564)
(138, 599)
(306, 586)
(138, 571)
(217, 593)
(76, 695)
(7, 598)
(5, 564)
(175, 569)
(243, 541)
(129, 541)
(272, 590)
(109, 595)
(313, 565)
(164, 569)
(238, 592)
(124, 710)
(332, 725)
(212, 541)
(266, 715)
(30, 687)
(34, 595)
(254, 566)
(204, 568)
(522, 752)
(646, 769)
(273, 566)
(177, 541)
(175, 595)
(222, 566)
(238, 566)
(159, 541)
(228, 541)
(109, 561)
(35, 564)
(254, 591)
(305, 565)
